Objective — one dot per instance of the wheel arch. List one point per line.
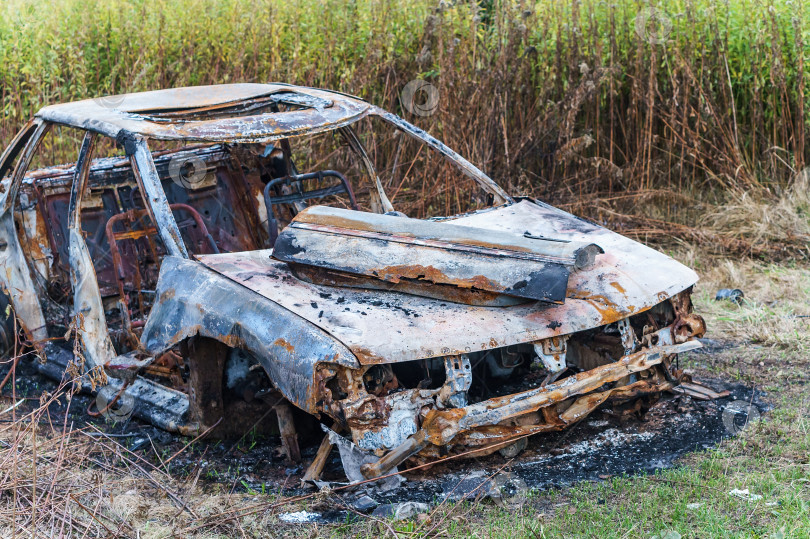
(192, 300)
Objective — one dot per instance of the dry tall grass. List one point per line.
(58, 479)
(775, 227)
(644, 107)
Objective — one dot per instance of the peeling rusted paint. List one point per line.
(284, 344)
(289, 348)
(395, 249)
(618, 287)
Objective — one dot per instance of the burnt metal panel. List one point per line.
(88, 306)
(225, 113)
(192, 300)
(399, 249)
(15, 277)
(220, 113)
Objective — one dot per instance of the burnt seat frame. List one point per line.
(343, 187)
(130, 218)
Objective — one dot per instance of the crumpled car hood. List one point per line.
(381, 327)
(462, 264)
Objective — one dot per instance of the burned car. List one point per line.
(188, 261)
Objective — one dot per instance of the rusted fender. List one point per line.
(193, 300)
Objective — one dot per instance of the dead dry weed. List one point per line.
(775, 310)
(779, 224)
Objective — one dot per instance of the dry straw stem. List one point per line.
(776, 309)
(60, 481)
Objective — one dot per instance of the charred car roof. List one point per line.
(221, 113)
(239, 113)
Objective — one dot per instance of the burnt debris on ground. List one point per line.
(605, 444)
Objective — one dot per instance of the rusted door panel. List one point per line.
(15, 278)
(383, 327)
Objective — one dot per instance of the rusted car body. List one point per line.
(413, 338)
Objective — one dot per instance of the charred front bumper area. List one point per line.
(490, 399)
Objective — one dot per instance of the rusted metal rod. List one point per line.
(441, 426)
